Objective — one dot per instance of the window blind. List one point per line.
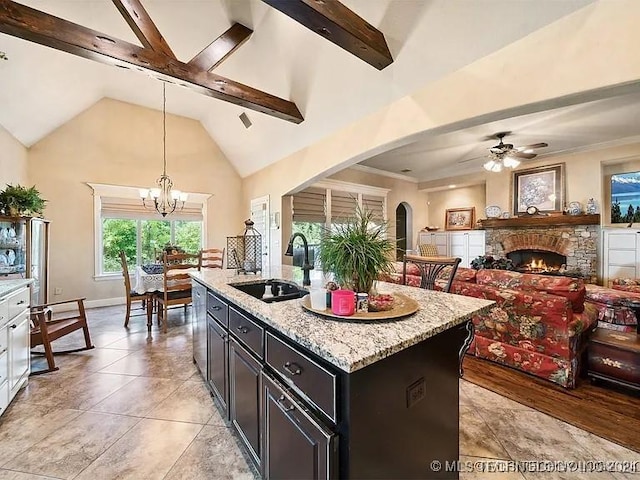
(309, 205)
(343, 205)
(375, 205)
(113, 207)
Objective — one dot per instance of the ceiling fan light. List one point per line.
(493, 166)
(511, 162)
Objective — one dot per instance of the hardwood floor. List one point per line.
(602, 409)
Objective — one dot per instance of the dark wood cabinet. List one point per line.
(199, 327)
(244, 397)
(217, 364)
(295, 445)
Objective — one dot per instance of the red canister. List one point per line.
(343, 302)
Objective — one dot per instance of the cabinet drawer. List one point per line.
(313, 381)
(4, 314)
(4, 339)
(18, 302)
(4, 396)
(217, 309)
(250, 334)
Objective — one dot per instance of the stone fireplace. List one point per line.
(551, 244)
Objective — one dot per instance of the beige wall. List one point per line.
(585, 177)
(121, 144)
(401, 191)
(592, 49)
(13, 161)
(464, 197)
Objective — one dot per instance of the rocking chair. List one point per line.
(45, 329)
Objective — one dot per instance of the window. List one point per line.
(122, 223)
(329, 203)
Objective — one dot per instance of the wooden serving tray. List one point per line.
(403, 306)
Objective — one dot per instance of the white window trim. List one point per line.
(105, 190)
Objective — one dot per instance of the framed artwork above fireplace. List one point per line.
(540, 187)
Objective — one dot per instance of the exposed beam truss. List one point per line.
(223, 46)
(39, 27)
(335, 22)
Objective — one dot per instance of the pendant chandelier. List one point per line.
(165, 199)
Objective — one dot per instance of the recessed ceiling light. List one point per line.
(452, 186)
(405, 170)
(528, 150)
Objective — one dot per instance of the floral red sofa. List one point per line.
(539, 324)
(612, 314)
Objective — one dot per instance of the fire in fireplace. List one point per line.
(538, 261)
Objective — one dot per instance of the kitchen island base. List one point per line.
(402, 413)
(315, 398)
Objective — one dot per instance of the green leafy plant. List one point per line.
(18, 200)
(487, 261)
(357, 251)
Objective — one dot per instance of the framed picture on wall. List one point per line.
(459, 218)
(541, 187)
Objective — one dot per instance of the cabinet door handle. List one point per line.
(216, 308)
(3, 351)
(14, 326)
(20, 302)
(242, 329)
(285, 407)
(292, 368)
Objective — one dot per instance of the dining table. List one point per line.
(149, 280)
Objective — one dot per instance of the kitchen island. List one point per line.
(312, 397)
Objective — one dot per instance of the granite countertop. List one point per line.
(10, 286)
(347, 345)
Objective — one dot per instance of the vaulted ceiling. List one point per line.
(42, 88)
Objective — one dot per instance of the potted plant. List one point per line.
(18, 200)
(357, 251)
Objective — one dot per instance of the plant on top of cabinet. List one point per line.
(357, 251)
(18, 200)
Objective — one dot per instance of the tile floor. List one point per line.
(135, 408)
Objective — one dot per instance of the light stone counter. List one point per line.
(9, 286)
(347, 345)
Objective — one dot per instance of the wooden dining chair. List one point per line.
(212, 257)
(45, 329)
(177, 283)
(432, 269)
(131, 295)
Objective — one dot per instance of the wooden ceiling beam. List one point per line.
(39, 27)
(140, 22)
(335, 22)
(223, 46)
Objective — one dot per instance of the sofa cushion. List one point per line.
(572, 289)
(466, 274)
(612, 297)
(626, 285)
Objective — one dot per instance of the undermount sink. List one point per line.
(272, 290)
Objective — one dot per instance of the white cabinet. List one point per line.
(439, 239)
(464, 244)
(621, 254)
(14, 344)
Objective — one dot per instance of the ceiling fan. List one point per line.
(506, 155)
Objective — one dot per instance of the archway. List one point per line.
(404, 229)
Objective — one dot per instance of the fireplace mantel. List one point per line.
(541, 221)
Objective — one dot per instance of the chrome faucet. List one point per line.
(305, 266)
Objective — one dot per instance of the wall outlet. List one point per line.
(416, 392)
(57, 291)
